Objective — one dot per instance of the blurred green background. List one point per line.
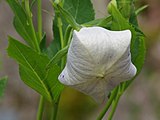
(140, 102)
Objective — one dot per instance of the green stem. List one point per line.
(55, 110)
(40, 109)
(60, 31)
(114, 104)
(70, 38)
(67, 35)
(54, 114)
(29, 14)
(36, 45)
(39, 9)
(61, 38)
(67, 39)
(109, 102)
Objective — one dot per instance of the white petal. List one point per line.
(97, 61)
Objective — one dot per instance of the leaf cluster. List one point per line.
(39, 65)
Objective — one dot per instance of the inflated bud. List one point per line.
(98, 60)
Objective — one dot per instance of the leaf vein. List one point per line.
(31, 67)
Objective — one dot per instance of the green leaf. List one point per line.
(21, 28)
(33, 70)
(118, 21)
(81, 10)
(3, 82)
(138, 50)
(21, 22)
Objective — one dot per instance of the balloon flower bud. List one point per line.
(98, 60)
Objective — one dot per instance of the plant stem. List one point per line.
(114, 104)
(61, 38)
(37, 41)
(67, 35)
(40, 108)
(55, 110)
(29, 14)
(109, 102)
(60, 31)
(39, 11)
(59, 22)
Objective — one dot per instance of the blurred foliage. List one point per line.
(3, 82)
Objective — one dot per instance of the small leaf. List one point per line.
(33, 70)
(125, 7)
(118, 21)
(59, 55)
(3, 82)
(139, 10)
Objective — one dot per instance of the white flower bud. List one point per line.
(98, 60)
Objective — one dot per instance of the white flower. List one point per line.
(98, 60)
